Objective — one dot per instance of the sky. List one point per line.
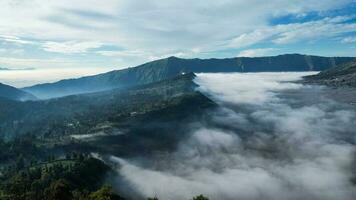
(76, 35)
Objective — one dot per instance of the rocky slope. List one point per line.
(342, 75)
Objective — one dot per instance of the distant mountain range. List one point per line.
(11, 69)
(342, 75)
(3, 68)
(13, 93)
(172, 66)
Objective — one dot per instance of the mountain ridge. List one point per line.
(12, 93)
(169, 67)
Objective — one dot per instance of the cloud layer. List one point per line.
(284, 141)
(255, 88)
(136, 31)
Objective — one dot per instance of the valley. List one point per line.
(191, 130)
(177, 100)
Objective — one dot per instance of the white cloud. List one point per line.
(123, 53)
(256, 52)
(283, 148)
(247, 39)
(153, 25)
(71, 46)
(63, 63)
(314, 30)
(12, 51)
(14, 39)
(350, 39)
(296, 32)
(23, 78)
(252, 88)
(20, 62)
(139, 54)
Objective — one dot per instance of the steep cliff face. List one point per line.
(172, 66)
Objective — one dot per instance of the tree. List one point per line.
(154, 198)
(59, 190)
(200, 197)
(20, 162)
(105, 193)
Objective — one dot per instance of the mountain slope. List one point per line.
(172, 66)
(79, 113)
(13, 93)
(342, 75)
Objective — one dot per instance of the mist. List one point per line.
(269, 139)
(24, 78)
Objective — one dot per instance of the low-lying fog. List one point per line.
(271, 139)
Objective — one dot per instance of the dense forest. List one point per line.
(29, 172)
(43, 155)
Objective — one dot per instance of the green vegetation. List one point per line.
(199, 197)
(79, 114)
(33, 172)
(342, 75)
(76, 177)
(15, 94)
(105, 193)
(40, 158)
(153, 198)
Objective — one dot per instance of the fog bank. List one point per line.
(271, 139)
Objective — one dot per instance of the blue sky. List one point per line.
(114, 34)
